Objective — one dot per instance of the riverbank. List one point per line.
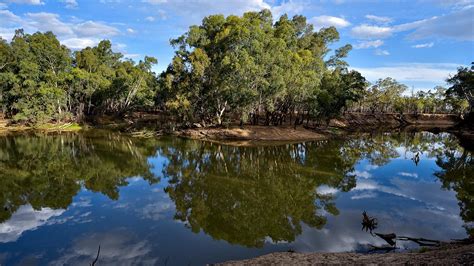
(153, 125)
(349, 123)
(48, 127)
(447, 255)
(254, 133)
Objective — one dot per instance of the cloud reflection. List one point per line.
(119, 247)
(25, 219)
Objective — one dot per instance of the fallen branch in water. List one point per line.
(370, 224)
(422, 242)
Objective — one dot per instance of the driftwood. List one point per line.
(423, 242)
(389, 238)
(370, 224)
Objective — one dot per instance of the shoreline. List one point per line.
(250, 133)
(445, 255)
(350, 123)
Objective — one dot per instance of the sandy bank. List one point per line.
(253, 133)
(449, 255)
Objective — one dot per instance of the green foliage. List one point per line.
(456, 172)
(49, 170)
(41, 81)
(462, 86)
(388, 95)
(249, 65)
(245, 194)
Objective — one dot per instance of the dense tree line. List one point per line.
(389, 96)
(248, 68)
(41, 80)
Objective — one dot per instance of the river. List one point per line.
(174, 201)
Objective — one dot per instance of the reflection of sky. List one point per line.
(140, 228)
(25, 219)
(405, 198)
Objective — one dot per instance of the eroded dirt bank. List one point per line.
(151, 125)
(449, 255)
(309, 131)
(253, 133)
(354, 120)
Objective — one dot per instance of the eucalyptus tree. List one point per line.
(42, 81)
(462, 86)
(249, 65)
(31, 76)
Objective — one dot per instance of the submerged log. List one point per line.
(389, 238)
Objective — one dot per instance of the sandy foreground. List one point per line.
(449, 255)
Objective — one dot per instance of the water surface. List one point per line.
(172, 201)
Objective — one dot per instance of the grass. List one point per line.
(59, 127)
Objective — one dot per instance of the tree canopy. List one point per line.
(249, 65)
(251, 68)
(42, 80)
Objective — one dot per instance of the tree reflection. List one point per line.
(245, 194)
(49, 170)
(457, 173)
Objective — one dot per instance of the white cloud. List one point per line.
(423, 45)
(327, 21)
(79, 43)
(150, 19)
(156, 211)
(75, 34)
(362, 174)
(48, 22)
(456, 25)
(25, 219)
(378, 19)
(288, 7)
(28, 2)
(3, 6)
(8, 18)
(71, 4)
(130, 30)
(421, 72)
(326, 190)
(450, 3)
(365, 31)
(364, 195)
(415, 175)
(382, 52)
(120, 47)
(118, 246)
(194, 10)
(368, 44)
(95, 29)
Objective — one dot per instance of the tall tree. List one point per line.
(462, 85)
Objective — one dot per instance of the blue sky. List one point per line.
(417, 42)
